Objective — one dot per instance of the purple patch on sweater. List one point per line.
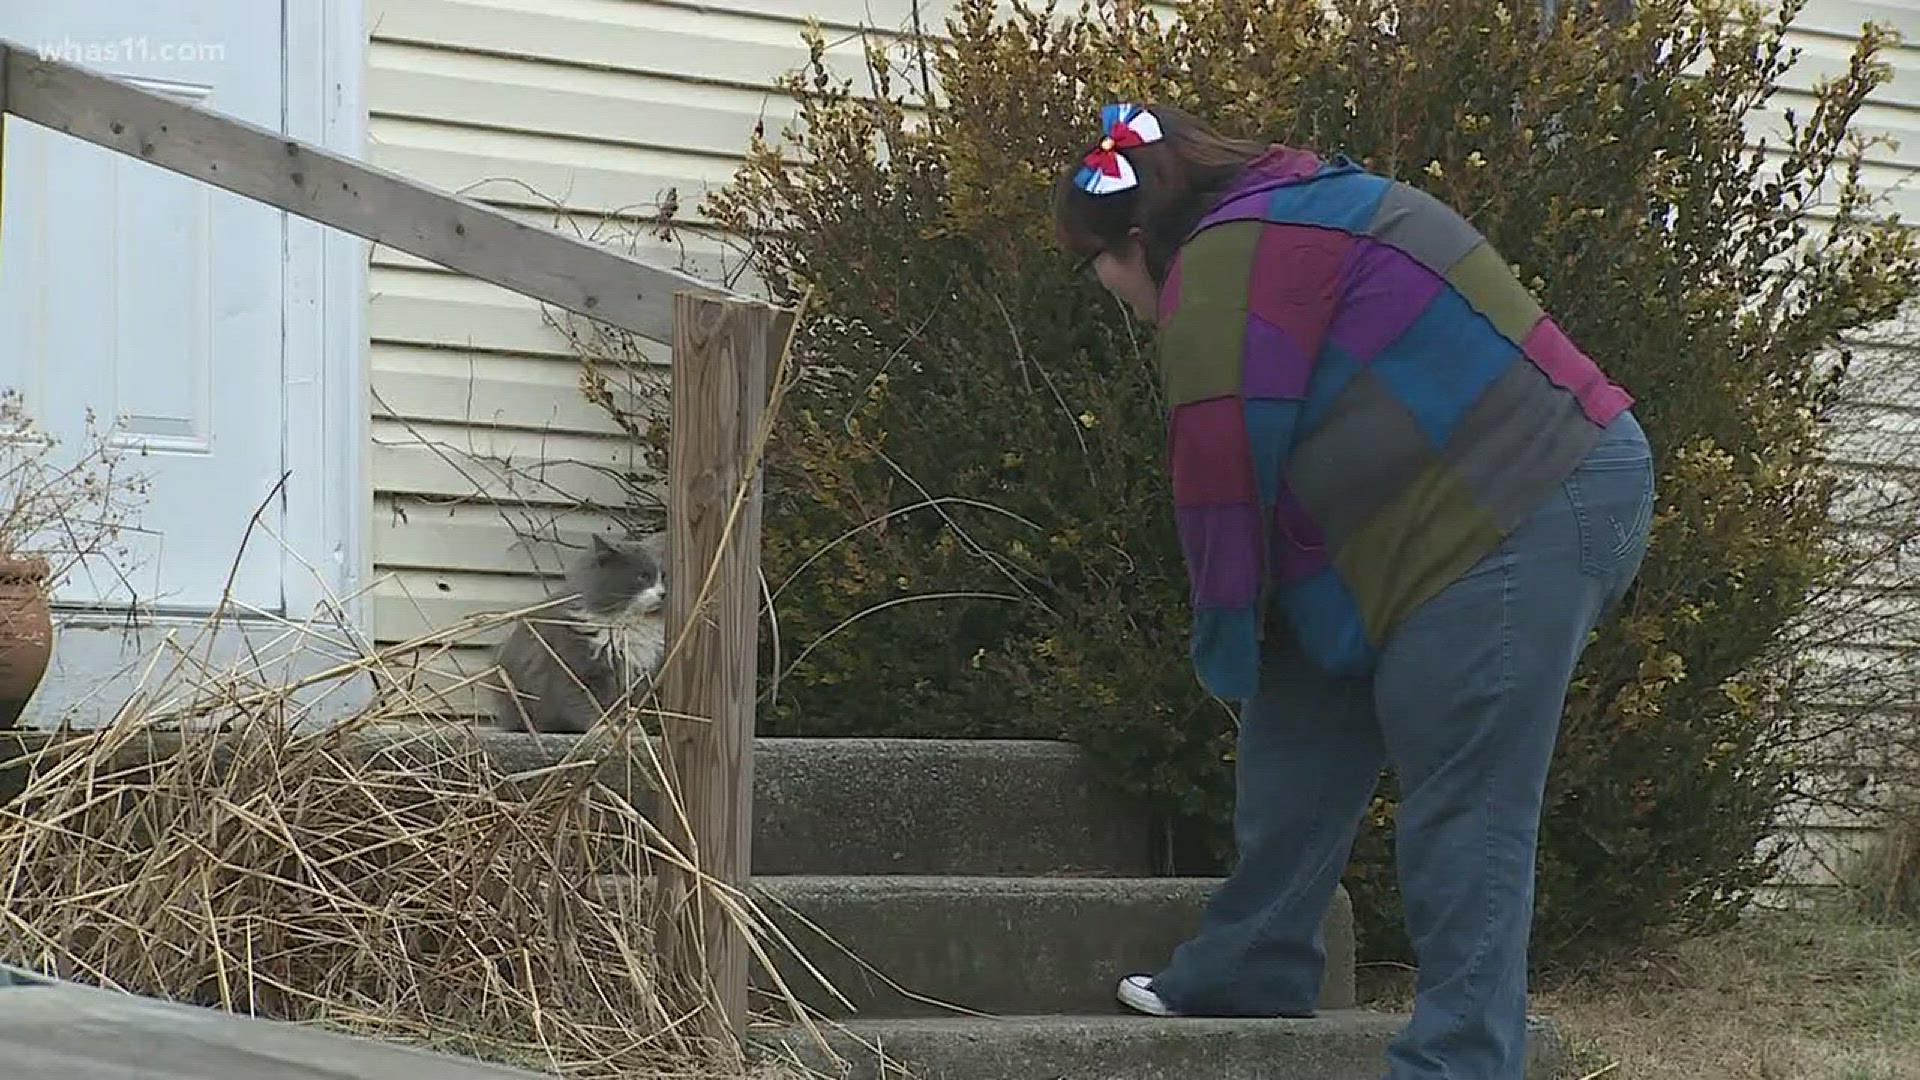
(1248, 197)
(1299, 544)
(1383, 291)
(1273, 365)
(1224, 560)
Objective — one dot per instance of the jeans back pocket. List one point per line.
(1613, 499)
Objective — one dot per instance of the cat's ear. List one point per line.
(601, 548)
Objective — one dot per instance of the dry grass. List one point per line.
(1785, 997)
(389, 881)
(1822, 995)
(214, 845)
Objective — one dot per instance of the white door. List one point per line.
(154, 300)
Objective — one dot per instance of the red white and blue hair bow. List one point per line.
(1107, 169)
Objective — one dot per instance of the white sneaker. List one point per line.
(1136, 993)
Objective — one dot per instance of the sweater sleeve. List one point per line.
(1243, 316)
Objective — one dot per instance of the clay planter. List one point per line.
(26, 633)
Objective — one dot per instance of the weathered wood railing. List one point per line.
(723, 347)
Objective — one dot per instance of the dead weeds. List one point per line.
(1824, 995)
(1787, 996)
(1803, 996)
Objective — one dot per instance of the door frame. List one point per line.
(326, 424)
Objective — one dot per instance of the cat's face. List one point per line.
(620, 577)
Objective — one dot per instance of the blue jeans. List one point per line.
(1465, 704)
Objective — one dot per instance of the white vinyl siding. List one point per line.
(601, 107)
(1877, 437)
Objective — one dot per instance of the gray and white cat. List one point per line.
(564, 669)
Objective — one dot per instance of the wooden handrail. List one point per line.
(724, 348)
(323, 186)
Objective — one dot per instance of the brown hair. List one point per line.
(1181, 176)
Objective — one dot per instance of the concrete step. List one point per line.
(912, 806)
(1339, 1045)
(940, 806)
(858, 806)
(1001, 946)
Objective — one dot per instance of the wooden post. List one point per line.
(722, 353)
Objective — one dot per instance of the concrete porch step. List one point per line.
(844, 806)
(911, 806)
(1338, 1045)
(1002, 946)
(940, 806)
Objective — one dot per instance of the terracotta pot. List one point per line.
(26, 633)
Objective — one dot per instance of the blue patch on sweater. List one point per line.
(1443, 362)
(1226, 651)
(1345, 200)
(1270, 428)
(1327, 622)
(1335, 368)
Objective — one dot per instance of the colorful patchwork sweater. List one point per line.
(1363, 402)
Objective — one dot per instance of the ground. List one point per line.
(1819, 996)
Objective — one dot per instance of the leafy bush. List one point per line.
(968, 529)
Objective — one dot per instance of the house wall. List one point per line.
(1877, 440)
(480, 437)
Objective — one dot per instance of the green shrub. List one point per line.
(968, 528)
